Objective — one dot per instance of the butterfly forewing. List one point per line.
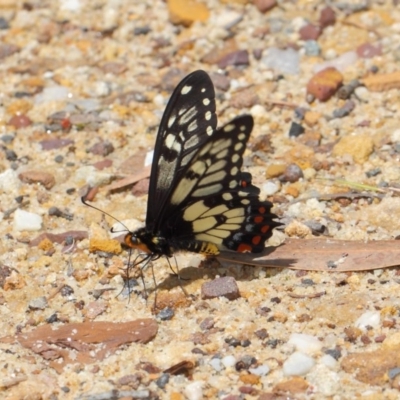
(188, 122)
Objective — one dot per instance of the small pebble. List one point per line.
(261, 370)
(236, 58)
(335, 353)
(162, 381)
(27, 221)
(305, 343)
(228, 361)
(282, 61)
(270, 188)
(216, 364)
(166, 314)
(329, 361)
(11, 155)
(4, 23)
(327, 17)
(7, 139)
(292, 174)
(368, 319)
(312, 48)
(298, 364)
(194, 390)
(344, 111)
(296, 129)
(20, 121)
(264, 5)
(52, 93)
(39, 303)
(220, 287)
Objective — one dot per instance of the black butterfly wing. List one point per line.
(187, 123)
(213, 205)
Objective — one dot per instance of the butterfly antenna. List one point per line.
(83, 200)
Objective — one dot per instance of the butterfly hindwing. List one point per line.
(214, 202)
(187, 123)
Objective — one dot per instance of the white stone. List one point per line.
(216, 364)
(395, 136)
(27, 221)
(362, 93)
(9, 181)
(228, 361)
(369, 318)
(329, 361)
(269, 188)
(194, 390)
(298, 364)
(70, 5)
(52, 93)
(227, 19)
(305, 343)
(258, 111)
(282, 61)
(261, 370)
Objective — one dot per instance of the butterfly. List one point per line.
(199, 199)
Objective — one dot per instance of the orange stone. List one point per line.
(325, 83)
(185, 12)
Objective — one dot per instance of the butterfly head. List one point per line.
(147, 242)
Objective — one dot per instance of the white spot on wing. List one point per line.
(215, 177)
(171, 120)
(206, 101)
(209, 130)
(172, 144)
(207, 190)
(187, 116)
(208, 115)
(193, 126)
(229, 127)
(238, 146)
(186, 89)
(227, 196)
(216, 166)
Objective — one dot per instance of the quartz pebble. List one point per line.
(194, 390)
(228, 361)
(305, 343)
(282, 61)
(27, 221)
(261, 370)
(369, 318)
(298, 364)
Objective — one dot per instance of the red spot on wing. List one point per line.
(256, 240)
(258, 219)
(244, 248)
(265, 228)
(262, 210)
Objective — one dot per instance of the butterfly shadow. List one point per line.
(242, 266)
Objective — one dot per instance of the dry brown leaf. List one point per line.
(130, 180)
(324, 255)
(85, 342)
